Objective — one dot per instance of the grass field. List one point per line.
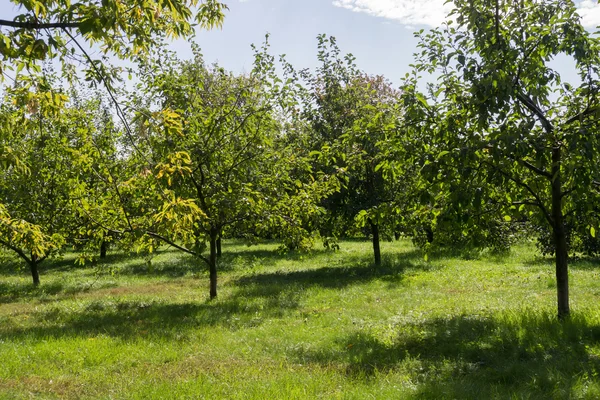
(318, 325)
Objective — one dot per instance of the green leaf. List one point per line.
(422, 99)
(442, 154)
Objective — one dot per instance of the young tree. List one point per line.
(507, 119)
(65, 31)
(212, 164)
(36, 215)
(352, 117)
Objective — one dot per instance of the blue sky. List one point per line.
(378, 32)
(381, 45)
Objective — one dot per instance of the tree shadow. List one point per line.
(253, 299)
(580, 262)
(132, 319)
(231, 260)
(175, 267)
(18, 291)
(351, 270)
(527, 356)
(11, 292)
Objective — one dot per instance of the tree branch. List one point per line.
(20, 252)
(39, 25)
(585, 113)
(527, 102)
(535, 169)
(529, 189)
(178, 247)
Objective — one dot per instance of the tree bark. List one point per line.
(34, 272)
(376, 249)
(429, 233)
(103, 248)
(560, 238)
(213, 263)
(219, 251)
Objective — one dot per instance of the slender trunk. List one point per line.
(429, 233)
(103, 248)
(376, 249)
(213, 263)
(34, 271)
(219, 252)
(560, 238)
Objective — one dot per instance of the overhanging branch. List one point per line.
(39, 25)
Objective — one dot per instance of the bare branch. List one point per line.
(178, 247)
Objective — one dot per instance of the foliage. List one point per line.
(507, 120)
(208, 158)
(350, 119)
(37, 213)
(125, 29)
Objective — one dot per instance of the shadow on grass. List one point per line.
(576, 262)
(52, 291)
(354, 270)
(131, 320)
(11, 292)
(253, 300)
(525, 356)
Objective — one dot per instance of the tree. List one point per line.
(128, 30)
(211, 165)
(352, 117)
(506, 118)
(36, 215)
(65, 31)
(123, 28)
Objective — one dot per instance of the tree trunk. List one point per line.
(103, 248)
(213, 263)
(219, 252)
(34, 272)
(376, 249)
(560, 238)
(429, 233)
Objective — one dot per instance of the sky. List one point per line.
(379, 33)
(381, 45)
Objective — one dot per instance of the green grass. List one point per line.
(317, 325)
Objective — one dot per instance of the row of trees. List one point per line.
(496, 146)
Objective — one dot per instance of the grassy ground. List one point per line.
(318, 325)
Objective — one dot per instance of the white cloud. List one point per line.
(433, 12)
(408, 12)
(590, 12)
